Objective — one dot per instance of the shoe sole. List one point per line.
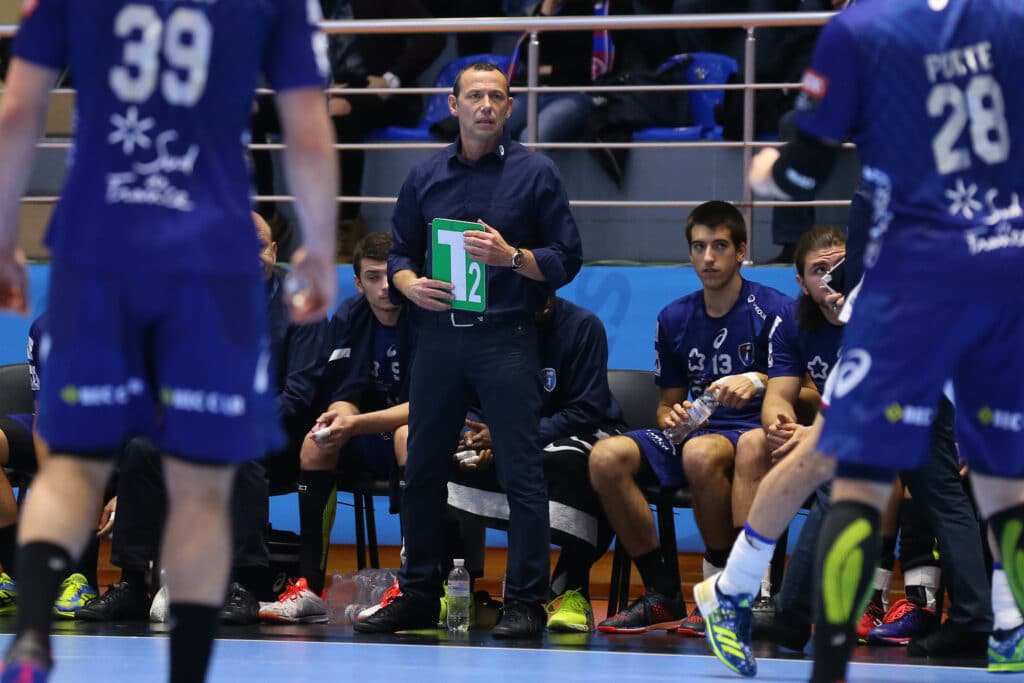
(883, 640)
(570, 628)
(1006, 668)
(278, 619)
(690, 633)
(624, 629)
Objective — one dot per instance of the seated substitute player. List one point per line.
(713, 339)
(944, 204)
(366, 421)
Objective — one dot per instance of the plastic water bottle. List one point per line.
(700, 410)
(459, 598)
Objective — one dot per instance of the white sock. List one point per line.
(766, 583)
(747, 562)
(1004, 607)
(928, 577)
(883, 579)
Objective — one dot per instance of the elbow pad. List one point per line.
(803, 164)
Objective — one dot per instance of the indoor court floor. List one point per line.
(137, 652)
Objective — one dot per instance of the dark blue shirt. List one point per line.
(34, 351)
(386, 373)
(297, 352)
(157, 179)
(692, 349)
(931, 97)
(514, 190)
(350, 372)
(793, 350)
(574, 373)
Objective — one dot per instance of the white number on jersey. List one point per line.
(186, 40)
(981, 105)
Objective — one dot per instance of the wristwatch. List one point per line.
(517, 259)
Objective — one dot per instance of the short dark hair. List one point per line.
(374, 246)
(715, 214)
(476, 66)
(817, 238)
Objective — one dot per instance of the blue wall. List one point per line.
(626, 298)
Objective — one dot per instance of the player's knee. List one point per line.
(312, 457)
(701, 462)
(612, 459)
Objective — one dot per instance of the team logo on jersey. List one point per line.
(814, 84)
(550, 379)
(28, 7)
(746, 352)
(695, 361)
(817, 368)
(720, 338)
(853, 368)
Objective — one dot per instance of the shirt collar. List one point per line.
(500, 152)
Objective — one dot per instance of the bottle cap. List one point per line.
(459, 563)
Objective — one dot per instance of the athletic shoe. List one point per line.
(1006, 651)
(870, 620)
(519, 620)
(393, 592)
(296, 605)
(75, 593)
(902, 622)
(692, 626)
(728, 621)
(122, 602)
(160, 609)
(241, 606)
(570, 612)
(950, 641)
(402, 613)
(28, 660)
(8, 595)
(649, 610)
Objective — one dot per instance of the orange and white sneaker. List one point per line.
(296, 605)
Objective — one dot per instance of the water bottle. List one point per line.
(700, 410)
(459, 598)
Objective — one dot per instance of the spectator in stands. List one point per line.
(530, 246)
(373, 61)
(20, 451)
(565, 60)
(715, 339)
(366, 422)
(468, 42)
(577, 410)
(297, 362)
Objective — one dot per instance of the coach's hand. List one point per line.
(431, 295)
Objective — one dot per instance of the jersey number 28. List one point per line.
(185, 39)
(981, 105)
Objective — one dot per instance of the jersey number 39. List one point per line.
(185, 39)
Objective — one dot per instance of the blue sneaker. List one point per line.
(1006, 651)
(902, 623)
(728, 623)
(8, 595)
(75, 593)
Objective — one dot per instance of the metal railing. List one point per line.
(538, 25)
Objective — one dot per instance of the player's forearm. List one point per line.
(22, 122)
(530, 268)
(402, 280)
(379, 421)
(774, 405)
(311, 167)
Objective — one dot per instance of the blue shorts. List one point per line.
(373, 454)
(180, 358)
(666, 460)
(930, 311)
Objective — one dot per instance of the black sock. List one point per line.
(572, 572)
(887, 560)
(317, 506)
(192, 632)
(717, 558)
(655, 574)
(41, 568)
(8, 542)
(86, 565)
(848, 551)
(136, 578)
(252, 578)
(1008, 527)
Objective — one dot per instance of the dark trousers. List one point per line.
(499, 364)
(935, 485)
(142, 507)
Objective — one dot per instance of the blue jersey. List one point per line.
(34, 352)
(792, 351)
(386, 371)
(930, 97)
(157, 176)
(692, 349)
